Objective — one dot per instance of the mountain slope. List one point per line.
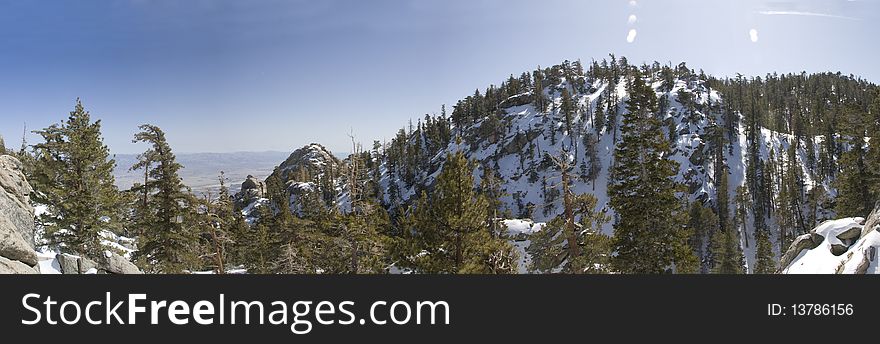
(511, 130)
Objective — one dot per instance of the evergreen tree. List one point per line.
(73, 177)
(647, 234)
(728, 258)
(550, 250)
(449, 229)
(168, 240)
(568, 110)
(854, 181)
(765, 263)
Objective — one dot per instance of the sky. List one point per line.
(224, 76)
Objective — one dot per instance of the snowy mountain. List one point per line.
(514, 140)
(517, 155)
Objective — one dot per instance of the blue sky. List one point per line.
(222, 76)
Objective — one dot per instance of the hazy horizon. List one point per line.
(273, 76)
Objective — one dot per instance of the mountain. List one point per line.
(779, 142)
(201, 171)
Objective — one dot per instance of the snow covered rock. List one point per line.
(313, 159)
(844, 246)
(16, 219)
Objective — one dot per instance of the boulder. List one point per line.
(853, 248)
(116, 264)
(13, 246)
(250, 183)
(807, 241)
(111, 263)
(15, 267)
(69, 263)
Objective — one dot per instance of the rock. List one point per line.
(837, 249)
(15, 267)
(16, 219)
(15, 198)
(867, 259)
(69, 263)
(13, 246)
(850, 234)
(251, 190)
(84, 265)
(117, 264)
(855, 247)
(112, 263)
(807, 241)
(250, 183)
(872, 223)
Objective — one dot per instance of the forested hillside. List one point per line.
(647, 168)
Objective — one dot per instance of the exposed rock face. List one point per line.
(251, 190)
(313, 159)
(298, 173)
(110, 264)
(16, 219)
(15, 267)
(845, 246)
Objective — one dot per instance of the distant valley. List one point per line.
(201, 171)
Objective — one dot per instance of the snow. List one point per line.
(235, 271)
(47, 262)
(821, 260)
(517, 154)
(516, 227)
(831, 229)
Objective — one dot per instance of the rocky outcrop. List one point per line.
(8, 266)
(252, 189)
(111, 263)
(807, 241)
(845, 246)
(16, 219)
(307, 162)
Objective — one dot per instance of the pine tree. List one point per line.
(854, 181)
(873, 154)
(566, 231)
(550, 250)
(702, 224)
(568, 110)
(765, 263)
(539, 100)
(168, 240)
(73, 176)
(728, 258)
(450, 233)
(647, 234)
(219, 223)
